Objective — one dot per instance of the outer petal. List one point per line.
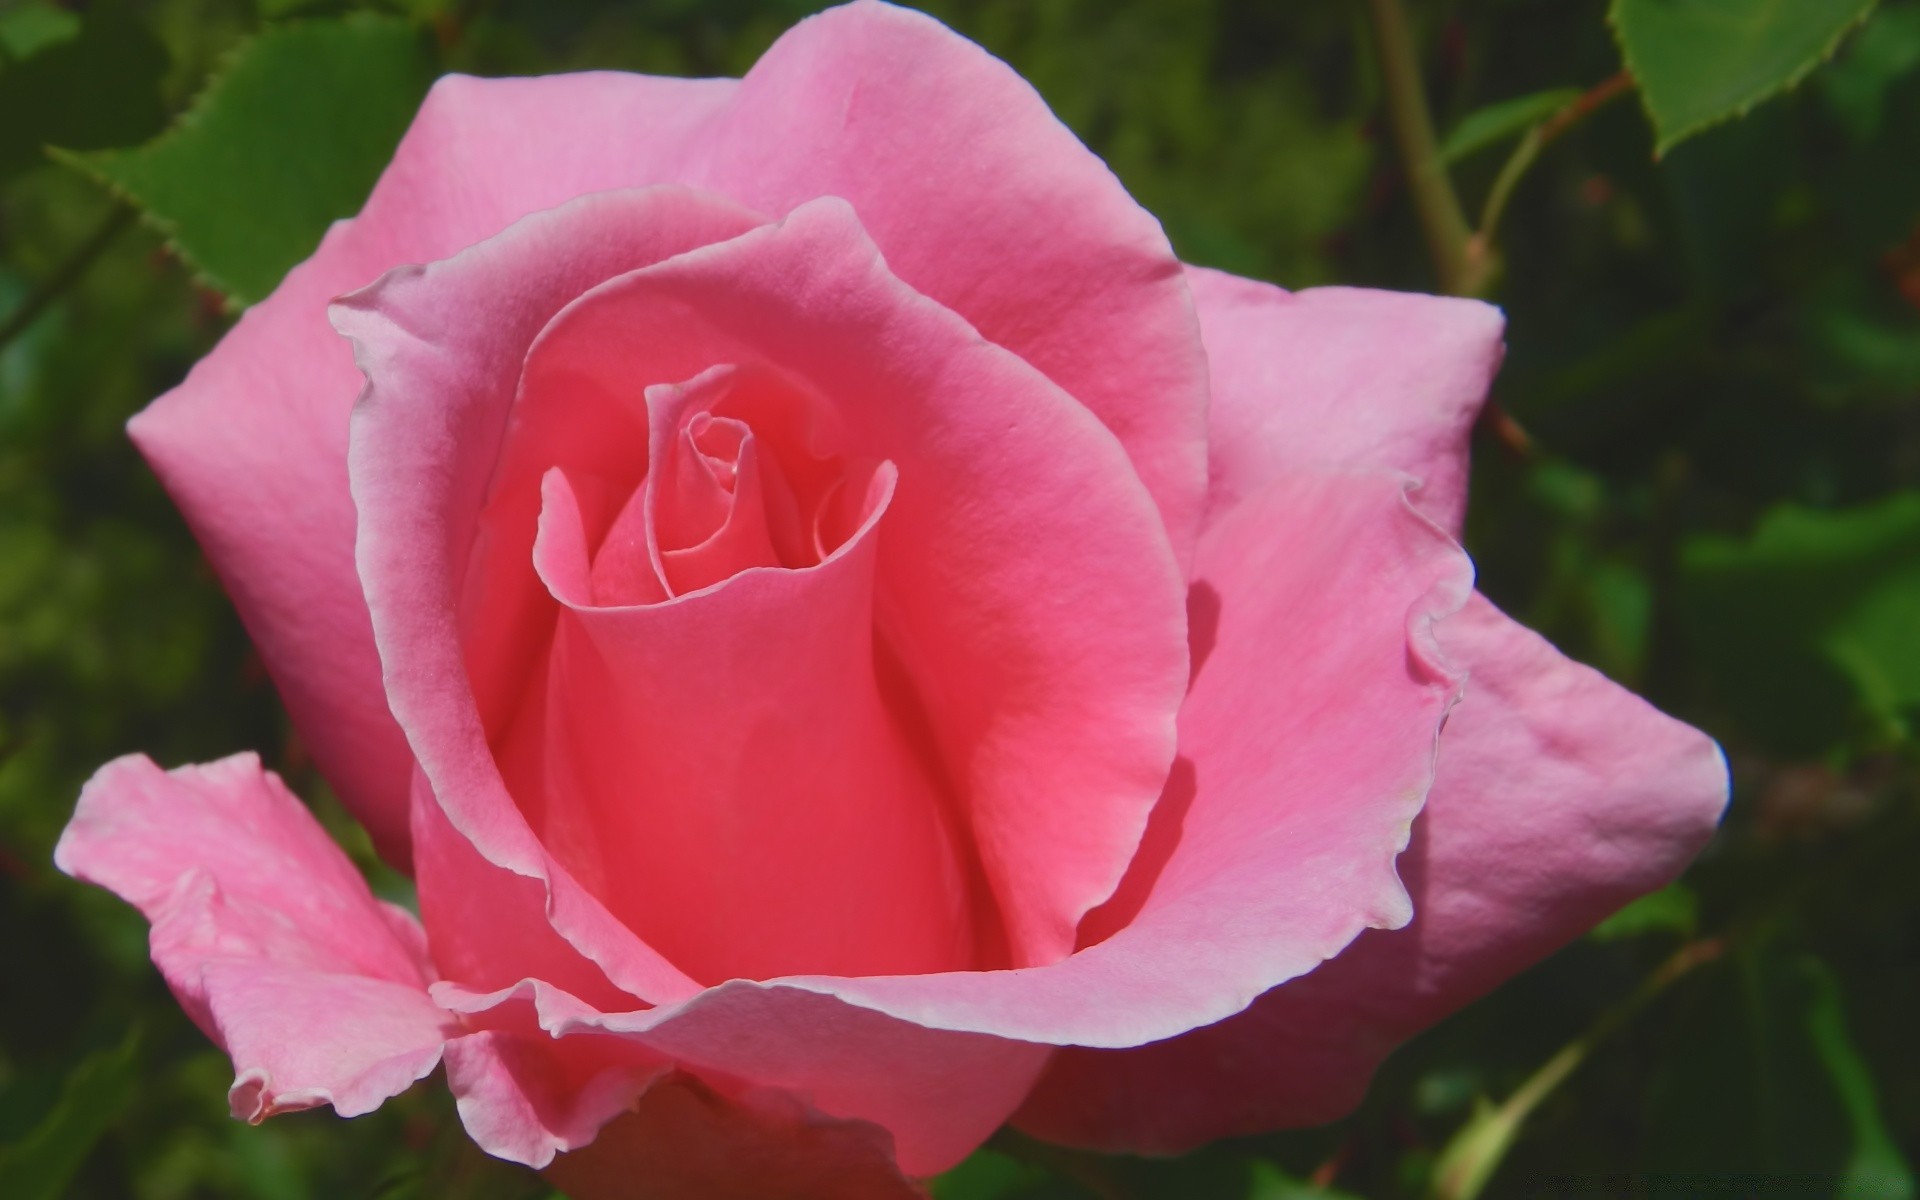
(443, 345)
(253, 445)
(1560, 796)
(490, 926)
(1343, 376)
(980, 198)
(265, 932)
(524, 1096)
(938, 1093)
(684, 1142)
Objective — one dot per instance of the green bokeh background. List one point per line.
(1715, 360)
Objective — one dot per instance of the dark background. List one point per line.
(1707, 485)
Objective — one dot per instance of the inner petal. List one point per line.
(697, 494)
(624, 570)
(725, 773)
(713, 445)
(741, 540)
(714, 500)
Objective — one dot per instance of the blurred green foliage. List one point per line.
(1703, 476)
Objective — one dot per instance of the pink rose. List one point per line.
(857, 645)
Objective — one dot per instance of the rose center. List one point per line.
(715, 500)
(707, 743)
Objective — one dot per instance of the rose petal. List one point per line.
(253, 445)
(1377, 378)
(939, 1093)
(1343, 376)
(1287, 825)
(442, 345)
(726, 776)
(1307, 745)
(265, 932)
(490, 926)
(980, 198)
(742, 539)
(708, 518)
(525, 1097)
(1560, 797)
(1054, 719)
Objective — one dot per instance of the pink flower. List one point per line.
(857, 645)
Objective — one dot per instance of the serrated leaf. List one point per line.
(1812, 621)
(40, 1165)
(1495, 123)
(1699, 62)
(95, 89)
(289, 138)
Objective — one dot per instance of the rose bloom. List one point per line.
(856, 645)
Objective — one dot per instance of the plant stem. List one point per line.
(1537, 139)
(1469, 1160)
(1443, 222)
(66, 274)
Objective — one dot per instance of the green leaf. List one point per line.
(1673, 909)
(988, 1175)
(1762, 1076)
(1809, 625)
(288, 139)
(40, 1165)
(29, 28)
(1268, 1182)
(1886, 51)
(274, 10)
(1495, 123)
(1699, 62)
(95, 89)
(1875, 1170)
